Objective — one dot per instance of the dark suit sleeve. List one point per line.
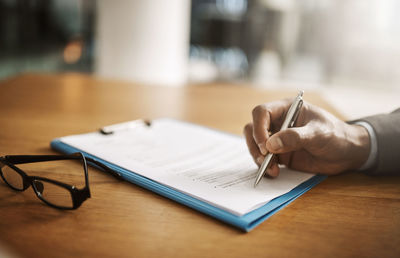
(387, 130)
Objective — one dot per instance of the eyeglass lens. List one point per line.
(47, 191)
(53, 193)
(12, 177)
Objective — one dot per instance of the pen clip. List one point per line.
(296, 114)
(108, 130)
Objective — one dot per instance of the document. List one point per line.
(209, 165)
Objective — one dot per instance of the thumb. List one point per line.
(291, 139)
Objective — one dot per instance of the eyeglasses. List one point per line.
(54, 193)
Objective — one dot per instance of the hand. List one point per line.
(318, 143)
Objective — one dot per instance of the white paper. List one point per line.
(209, 165)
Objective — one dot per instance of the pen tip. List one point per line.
(301, 93)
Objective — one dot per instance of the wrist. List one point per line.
(359, 145)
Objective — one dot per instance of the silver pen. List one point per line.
(290, 119)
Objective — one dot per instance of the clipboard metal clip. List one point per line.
(110, 129)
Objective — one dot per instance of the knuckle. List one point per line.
(259, 138)
(291, 138)
(259, 110)
(296, 136)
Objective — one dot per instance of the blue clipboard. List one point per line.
(246, 222)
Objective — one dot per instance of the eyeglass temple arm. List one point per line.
(104, 167)
(21, 159)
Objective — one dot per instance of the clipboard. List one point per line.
(245, 222)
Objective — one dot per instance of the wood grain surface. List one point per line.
(351, 215)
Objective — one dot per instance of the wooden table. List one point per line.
(347, 215)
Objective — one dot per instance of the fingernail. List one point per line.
(262, 148)
(260, 160)
(275, 143)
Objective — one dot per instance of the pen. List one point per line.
(289, 121)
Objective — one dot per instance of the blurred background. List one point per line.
(349, 50)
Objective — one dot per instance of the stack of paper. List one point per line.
(205, 169)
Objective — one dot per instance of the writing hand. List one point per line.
(318, 143)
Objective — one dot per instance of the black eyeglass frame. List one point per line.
(78, 195)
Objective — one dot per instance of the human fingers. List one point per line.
(261, 125)
(285, 158)
(264, 116)
(273, 169)
(251, 144)
(292, 139)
